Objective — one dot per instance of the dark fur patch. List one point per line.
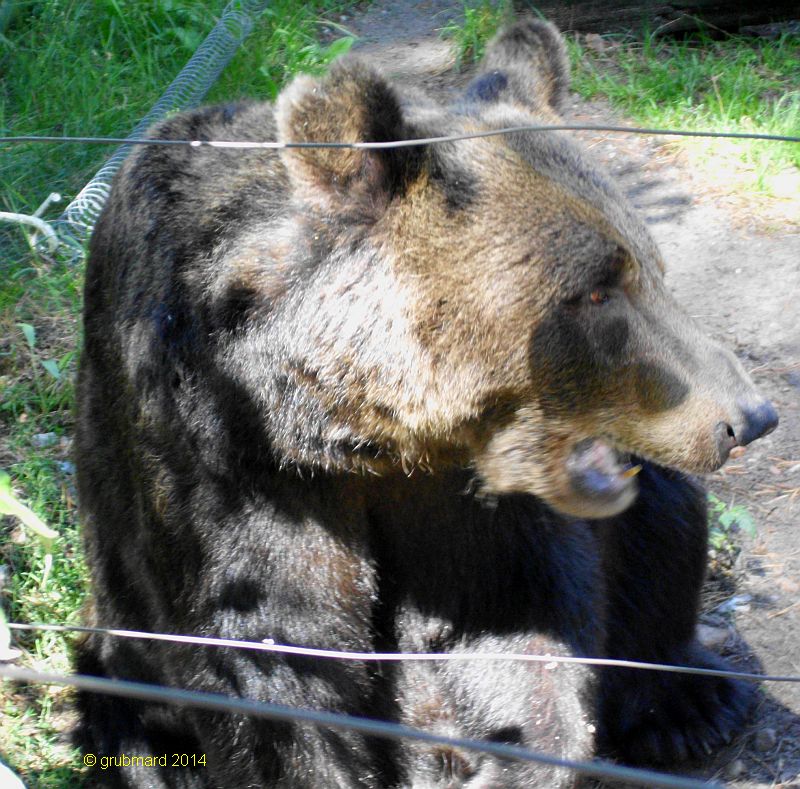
(174, 325)
(459, 186)
(657, 389)
(486, 87)
(232, 309)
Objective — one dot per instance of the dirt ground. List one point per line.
(740, 276)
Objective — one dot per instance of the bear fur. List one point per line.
(382, 400)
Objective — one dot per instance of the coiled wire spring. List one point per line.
(75, 225)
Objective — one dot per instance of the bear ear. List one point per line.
(526, 62)
(353, 103)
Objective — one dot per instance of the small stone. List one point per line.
(713, 638)
(66, 467)
(788, 586)
(735, 769)
(595, 42)
(42, 440)
(765, 740)
(8, 655)
(739, 602)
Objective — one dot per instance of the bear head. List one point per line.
(492, 302)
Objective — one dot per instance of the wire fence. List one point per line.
(76, 224)
(268, 645)
(374, 728)
(598, 769)
(473, 135)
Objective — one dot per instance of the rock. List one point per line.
(740, 602)
(713, 638)
(765, 740)
(66, 467)
(595, 42)
(43, 440)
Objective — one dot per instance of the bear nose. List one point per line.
(755, 420)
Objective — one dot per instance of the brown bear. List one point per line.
(388, 400)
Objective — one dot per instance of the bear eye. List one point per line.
(597, 296)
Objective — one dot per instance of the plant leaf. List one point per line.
(189, 39)
(10, 505)
(337, 48)
(52, 367)
(746, 522)
(29, 332)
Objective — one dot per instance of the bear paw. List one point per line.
(651, 717)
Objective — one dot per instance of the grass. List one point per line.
(76, 68)
(734, 84)
(480, 22)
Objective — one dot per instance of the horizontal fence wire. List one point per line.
(77, 223)
(267, 645)
(374, 728)
(268, 144)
